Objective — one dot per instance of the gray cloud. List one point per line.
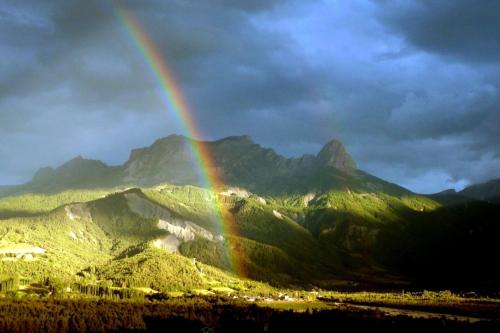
(411, 87)
(459, 29)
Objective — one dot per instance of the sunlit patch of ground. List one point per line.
(425, 305)
(298, 306)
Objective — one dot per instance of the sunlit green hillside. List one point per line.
(151, 236)
(33, 204)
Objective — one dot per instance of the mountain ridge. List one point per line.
(488, 191)
(240, 162)
(314, 220)
(238, 159)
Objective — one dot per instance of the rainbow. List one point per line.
(175, 102)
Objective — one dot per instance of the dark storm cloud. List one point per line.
(84, 81)
(458, 108)
(411, 87)
(461, 29)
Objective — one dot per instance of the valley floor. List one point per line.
(329, 311)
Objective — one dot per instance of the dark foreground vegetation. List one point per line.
(207, 314)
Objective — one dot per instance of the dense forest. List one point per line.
(202, 314)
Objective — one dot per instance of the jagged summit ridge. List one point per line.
(238, 160)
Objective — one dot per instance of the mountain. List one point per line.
(312, 221)
(240, 162)
(489, 191)
(175, 220)
(330, 239)
(449, 197)
(76, 173)
(166, 160)
(88, 241)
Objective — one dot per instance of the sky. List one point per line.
(412, 88)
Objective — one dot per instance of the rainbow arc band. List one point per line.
(175, 102)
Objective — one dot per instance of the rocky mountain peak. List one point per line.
(335, 155)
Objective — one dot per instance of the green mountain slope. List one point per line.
(314, 239)
(309, 221)
(33, 204)
(91, 241)
(113, 229)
